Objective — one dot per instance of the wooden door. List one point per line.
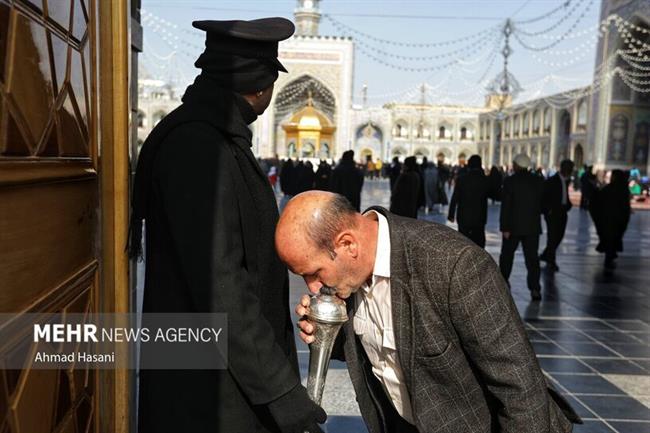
(63, 195)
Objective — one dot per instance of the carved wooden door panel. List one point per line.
(49, 198)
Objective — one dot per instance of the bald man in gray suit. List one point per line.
(434, 342)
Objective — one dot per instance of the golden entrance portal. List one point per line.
(309, 133)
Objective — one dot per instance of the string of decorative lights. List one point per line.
(550, 13)
(558, 23)
(633, 76)
(411, 91)
(364, 49)
(633, 63)
(493, 56)
(490, 38)
(575, 35)
(569, 98)
(349, 29)
(146, 15)
(562, 100)
(628, 37)
(633, 83)
(634, 56)
(572, 61)
(517, 33)
(621, 25)
(588, 44)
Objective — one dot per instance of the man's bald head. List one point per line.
(322, 238)
(316, 217)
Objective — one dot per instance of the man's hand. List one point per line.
(306, 327)
(294, 412)
(506, 235)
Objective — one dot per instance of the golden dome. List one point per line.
(310, 118)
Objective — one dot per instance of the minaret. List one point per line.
(307, 15)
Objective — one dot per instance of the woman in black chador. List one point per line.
(404, 199)
(610, 210)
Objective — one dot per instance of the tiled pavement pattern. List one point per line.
(591, 332)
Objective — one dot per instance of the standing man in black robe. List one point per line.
(470, 197)
(210, 218)
(521, 211)
(556, 206)
(347, 179)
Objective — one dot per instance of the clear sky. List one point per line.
(453, 72)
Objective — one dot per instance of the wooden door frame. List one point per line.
(113, 386)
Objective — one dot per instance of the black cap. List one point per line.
(256, 39)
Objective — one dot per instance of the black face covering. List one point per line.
(242, 75)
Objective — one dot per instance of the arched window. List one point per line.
(463, 133)
(526, 123)
(423, 131)
(536, 122)
(517, 126)
(582, 114)
(400, 130)
(324, 151)
(442, 133)
(291, 149)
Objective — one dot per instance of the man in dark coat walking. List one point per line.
(470, 196)
(347, 179)
(556, 205)
(433, 341)
(521, 210)
(406, 193)
(210, 218)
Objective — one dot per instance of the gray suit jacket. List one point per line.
(467, 361)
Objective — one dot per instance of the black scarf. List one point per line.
(204, 100)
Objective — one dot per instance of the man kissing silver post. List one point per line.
(434, 341)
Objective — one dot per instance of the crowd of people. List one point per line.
(526, 195)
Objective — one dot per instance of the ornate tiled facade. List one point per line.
(619, 135)
(544, 132)
(446, 133)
